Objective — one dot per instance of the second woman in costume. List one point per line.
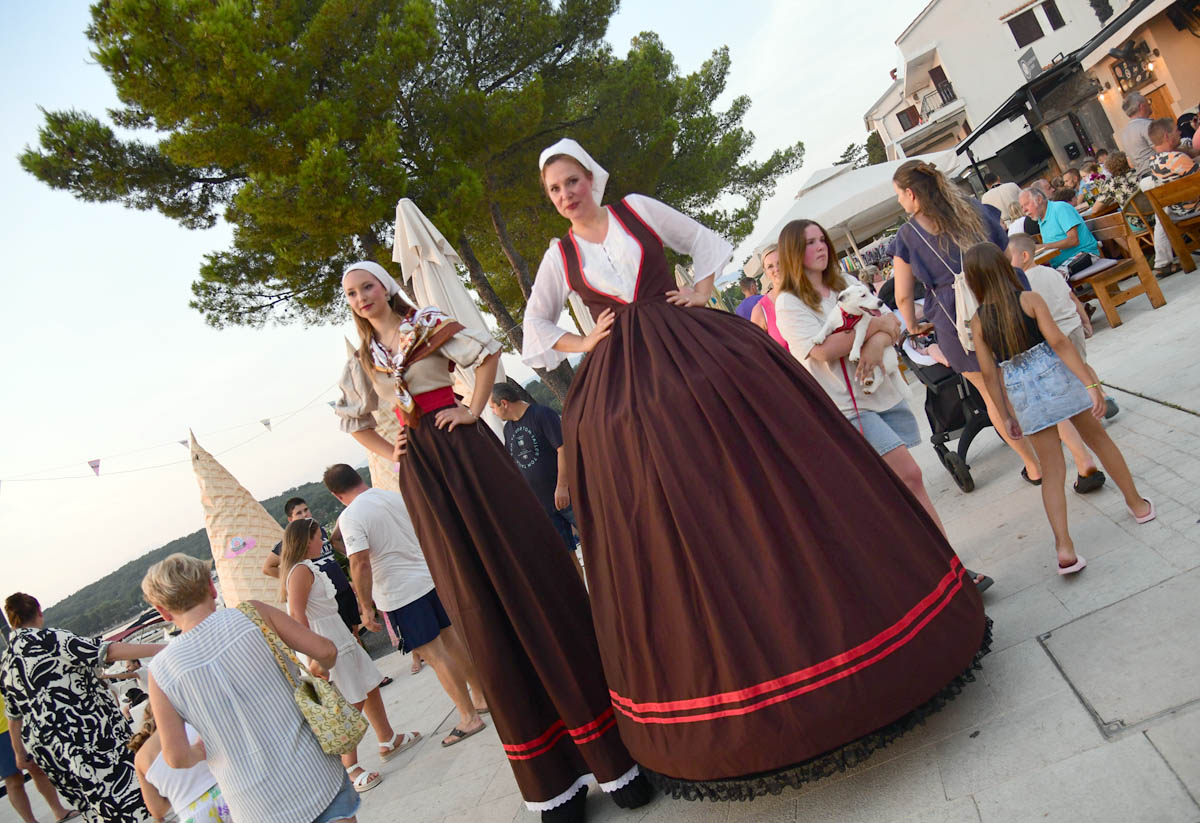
(495, 557)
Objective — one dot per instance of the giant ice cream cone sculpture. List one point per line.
(383, 471)
(240, 532)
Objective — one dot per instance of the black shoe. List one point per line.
(1025, 476)
(387, 681)
(573, 811)
(637, 792)
(1110, 408)
(1089, 482)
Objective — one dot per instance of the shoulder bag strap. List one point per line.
(930, 289)
(273, 641)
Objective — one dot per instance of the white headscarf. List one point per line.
(380, 274)
(570, 148)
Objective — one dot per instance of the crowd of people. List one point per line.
(685, 479)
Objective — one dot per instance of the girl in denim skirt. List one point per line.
(1044, 383)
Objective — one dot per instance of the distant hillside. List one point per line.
(117, 597)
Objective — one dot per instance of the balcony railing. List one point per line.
(942, 95)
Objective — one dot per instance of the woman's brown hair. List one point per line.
(953, 216)
(995, 283)
(1117, 164)
(21, 608)
(366, 331)
(791, 264)
(295, 546)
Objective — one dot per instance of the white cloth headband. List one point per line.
(570, 148)
(379, 273)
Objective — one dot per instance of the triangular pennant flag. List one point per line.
(266, 421)
(332, 404)
(183, 443)
(95, 464)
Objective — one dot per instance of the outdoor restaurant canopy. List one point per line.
(851, 203)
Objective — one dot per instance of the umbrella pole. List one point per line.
(975, 166)
(857, 253)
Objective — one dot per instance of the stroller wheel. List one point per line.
(959, 471)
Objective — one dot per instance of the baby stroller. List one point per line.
(954, 409)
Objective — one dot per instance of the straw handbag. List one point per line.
(337, 724)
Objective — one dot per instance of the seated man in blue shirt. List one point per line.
(1061, 225)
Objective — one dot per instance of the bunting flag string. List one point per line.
(94, 464)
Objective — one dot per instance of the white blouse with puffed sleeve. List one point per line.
(612, 268)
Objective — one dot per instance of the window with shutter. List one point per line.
(1025, 28)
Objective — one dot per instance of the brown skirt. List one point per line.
(766, 592)
(506, 582)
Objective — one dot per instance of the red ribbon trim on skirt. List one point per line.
(549, 738)
(950, 584)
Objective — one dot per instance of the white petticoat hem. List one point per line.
(583, 780)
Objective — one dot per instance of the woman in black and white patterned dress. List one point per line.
(62, 716)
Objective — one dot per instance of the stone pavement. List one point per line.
(1088, 708)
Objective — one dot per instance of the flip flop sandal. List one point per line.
(417, 669)
(407, 740)
(1077, 566)
(71, 815)
(458, 735)
(365, 781)
(1089, 482)
(982, 581)
(1148, 516)
(387, 681)
(1025, 476)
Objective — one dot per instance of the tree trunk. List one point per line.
(515, 259)
(559, 379)
(488, 295)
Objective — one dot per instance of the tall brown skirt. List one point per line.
(771, 602)
(506, 581)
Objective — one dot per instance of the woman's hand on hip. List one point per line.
(687, 296)
(601, 330)
(452, 418)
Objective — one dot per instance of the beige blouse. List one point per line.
(361, 392)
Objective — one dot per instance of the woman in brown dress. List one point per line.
(771, 602)
(496, 559)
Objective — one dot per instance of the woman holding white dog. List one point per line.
(810, 282)
(734, 592)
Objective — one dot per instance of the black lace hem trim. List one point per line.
(840, 759)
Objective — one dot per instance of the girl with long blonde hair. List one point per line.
(1037, 379)
(943, 222)
(312, 602)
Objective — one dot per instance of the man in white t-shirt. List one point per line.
(1072, 321)
(390, 571)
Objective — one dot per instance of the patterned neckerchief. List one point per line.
(414, 330)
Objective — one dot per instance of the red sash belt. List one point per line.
(429, 401)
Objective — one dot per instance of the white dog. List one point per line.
(854, 301)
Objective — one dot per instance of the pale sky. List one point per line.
(102, 356)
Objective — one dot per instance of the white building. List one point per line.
(961, 59)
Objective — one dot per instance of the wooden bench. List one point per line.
(1117, 242)
(1184, 190)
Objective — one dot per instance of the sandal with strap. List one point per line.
(407, 740)
(457, 735)
(365, 781)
